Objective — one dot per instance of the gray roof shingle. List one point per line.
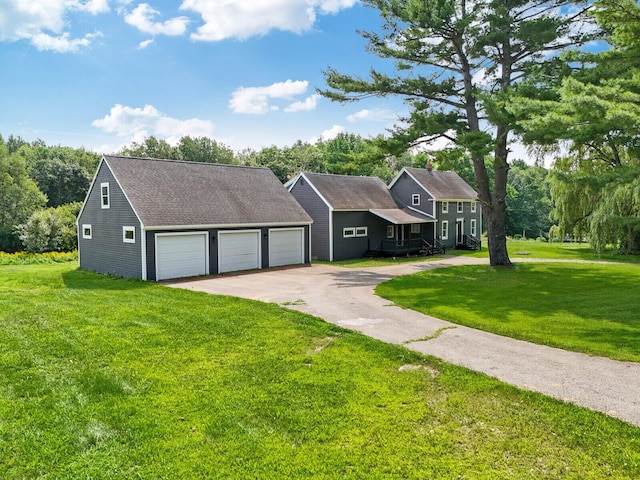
(174, 193)
(352, 193)
(443, 185)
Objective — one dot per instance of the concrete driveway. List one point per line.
(345, 297)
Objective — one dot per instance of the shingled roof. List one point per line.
(344, 192)
(443, 185)
(175, 193)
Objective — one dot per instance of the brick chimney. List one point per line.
(429, 166)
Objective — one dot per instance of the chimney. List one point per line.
(429, 166)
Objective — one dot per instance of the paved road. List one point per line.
(345, 297)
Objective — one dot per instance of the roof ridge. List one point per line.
(187, 162)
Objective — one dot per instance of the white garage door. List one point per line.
(181, 255)
(286, 247)
(238, 250)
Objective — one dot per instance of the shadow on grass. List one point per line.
(87, 280)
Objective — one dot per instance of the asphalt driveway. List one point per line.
(345, 297)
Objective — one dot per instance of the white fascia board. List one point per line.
(143, 251)
(227, 225)
(86, 198)
(317, 192)
(291, 183)
(422, 213)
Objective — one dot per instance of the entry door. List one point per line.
(459, 230)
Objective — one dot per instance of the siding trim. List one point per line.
(226, 225)
(143, 252)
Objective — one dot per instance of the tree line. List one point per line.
(43, 187)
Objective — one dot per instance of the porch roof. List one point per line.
(401, 216)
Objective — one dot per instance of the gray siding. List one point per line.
(452, 217)
(355, 247)
(106, 252)
(318, 210)
(403, 190)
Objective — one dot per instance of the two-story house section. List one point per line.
(354, 216)
(445, 196)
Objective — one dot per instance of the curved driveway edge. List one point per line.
(345, 297)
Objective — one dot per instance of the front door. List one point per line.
(459, 230)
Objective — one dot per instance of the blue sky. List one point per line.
(104, 73)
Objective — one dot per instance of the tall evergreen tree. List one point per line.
(459, 64)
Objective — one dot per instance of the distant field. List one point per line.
(108, 378)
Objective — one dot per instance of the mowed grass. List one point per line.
(589, 308)
(108, 378)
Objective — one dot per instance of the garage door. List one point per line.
(286, 247)
(238, 250)
(181, 255)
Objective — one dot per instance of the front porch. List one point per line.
(404, 248)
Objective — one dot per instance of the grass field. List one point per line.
(589, 308)
(517, 249)
(108, 378)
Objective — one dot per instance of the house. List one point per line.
(446, 197)
(159, 219)
(356, 215)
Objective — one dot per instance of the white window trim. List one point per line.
(415, 199)
(86, 226)
(460, 207)
(391, 229)
(348, 232)
(444, 228)
(415, 228)
(473, 207)
(107, 196)
(124, 234)
(472, 227)
(362, 234)
(445, 207)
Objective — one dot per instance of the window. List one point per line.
(460, 207)
(473, 227)
(473, 207)
(361, 231)
(86, 231)
(390, 231)
(129, 234)
(445, 207)
(415, 228)
(445, 230)
(104, 195)
(415, 199)
(348, 232)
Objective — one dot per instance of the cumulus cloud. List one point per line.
(256, 100)
(42, 22)
(329, 134)
(309, 104)
(242, 19)
(138, 123)
(375, 115)
(142, 17)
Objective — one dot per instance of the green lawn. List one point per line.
(589, 308)
(108, 378)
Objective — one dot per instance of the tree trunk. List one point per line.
(497, 215)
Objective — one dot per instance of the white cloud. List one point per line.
(142, 18)
(144, 44)
(375, 115)
(43, 22)
(329, 134)
(255, 100)
(309, 104)
(62, 43)
(246, 18)
(139, 123)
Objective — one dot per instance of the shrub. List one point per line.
(24, 258)
(50, 230)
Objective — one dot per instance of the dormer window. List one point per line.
(415, 199)
(105, 201)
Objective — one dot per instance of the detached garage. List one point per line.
(161, 219)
